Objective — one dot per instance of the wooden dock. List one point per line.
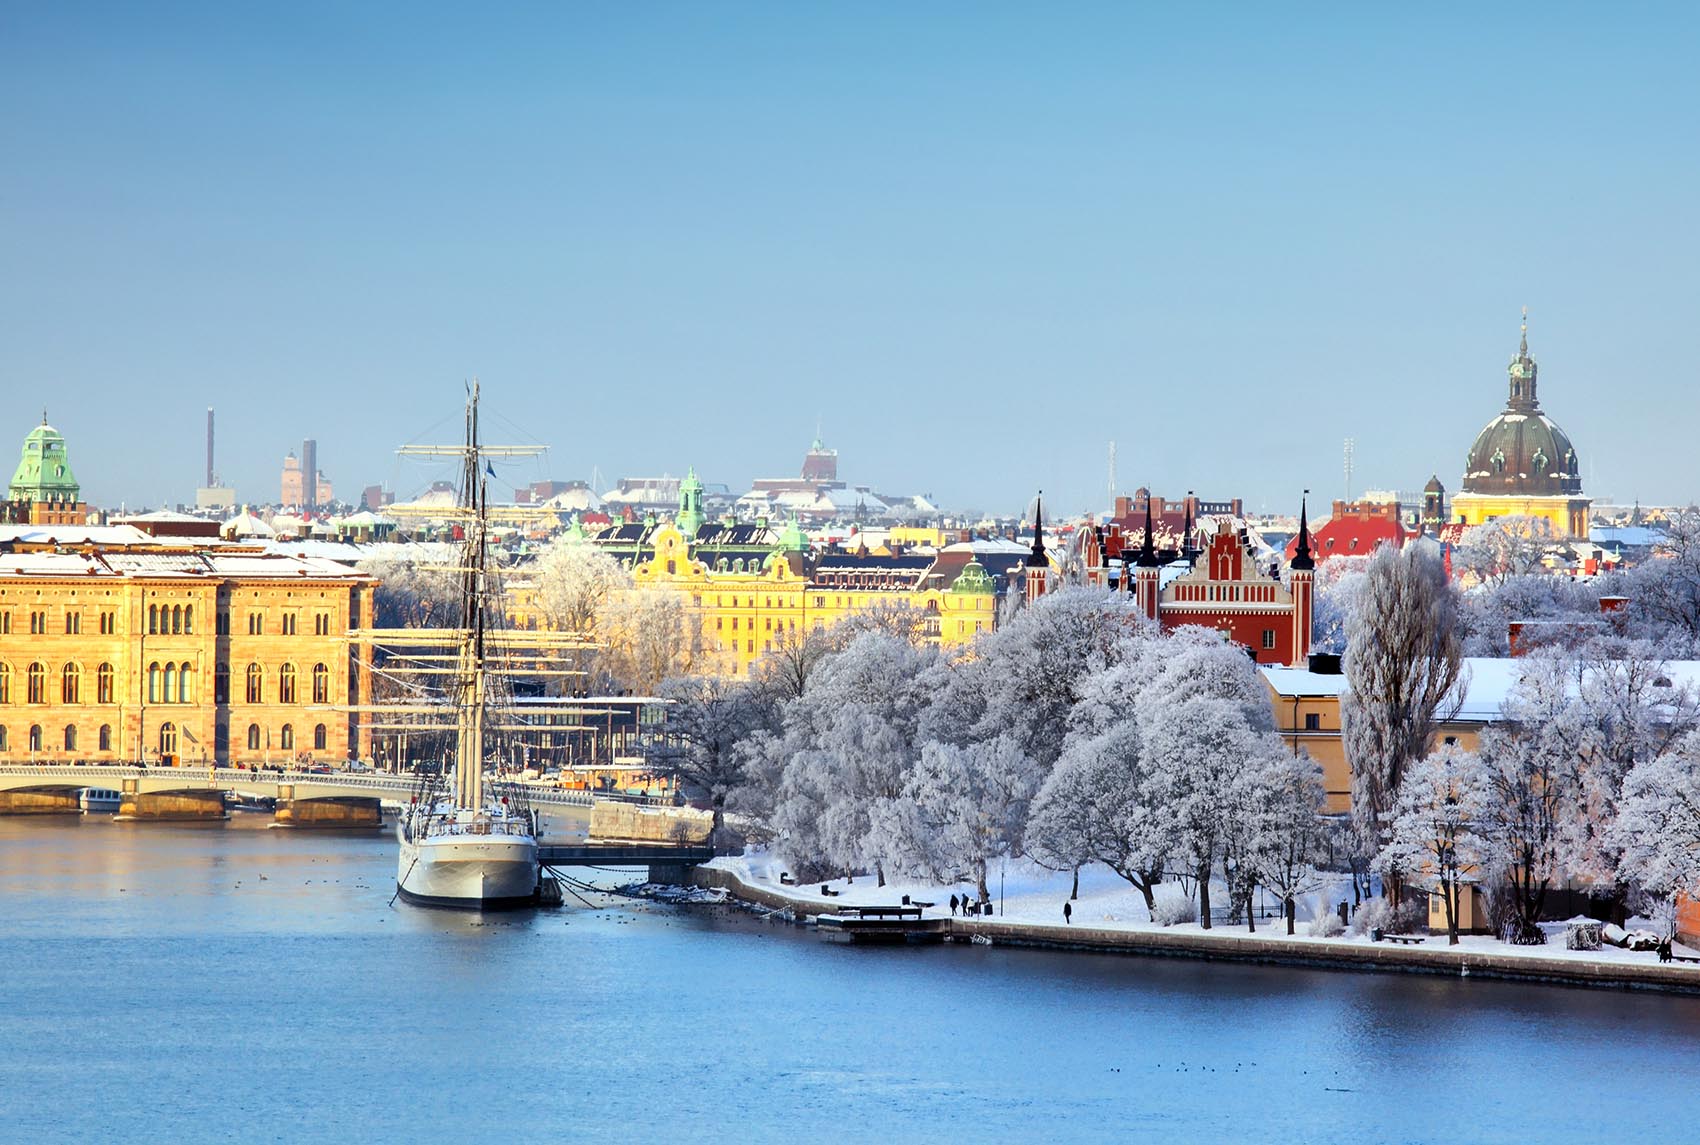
(885, 924)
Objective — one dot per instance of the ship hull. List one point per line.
(477, 872)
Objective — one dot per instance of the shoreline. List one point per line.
(1277, 950)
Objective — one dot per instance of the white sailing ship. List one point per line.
(472, 846)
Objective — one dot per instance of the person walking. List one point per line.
(1068, 915)
(953, 904)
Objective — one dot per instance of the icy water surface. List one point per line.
(237, 984)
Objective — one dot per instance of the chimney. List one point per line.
(210, 481)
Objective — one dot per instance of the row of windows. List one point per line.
(167, 739)
(166, 684)
(73, 623)
(165, 620)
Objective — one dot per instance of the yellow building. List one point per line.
(143, 651)
(1522, 464)
(747, 610)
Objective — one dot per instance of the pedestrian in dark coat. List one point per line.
(953, 904)
(1068, 915)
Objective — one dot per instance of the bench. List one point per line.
(1685, 958)
(882, 911)
(785, 879)
(1404, 939)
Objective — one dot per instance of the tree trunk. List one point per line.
(879, 872)
(1250, 910)
(1146, 889)
(1449, 896)
(1290, 909)
(1204, 896)
(1075, 893)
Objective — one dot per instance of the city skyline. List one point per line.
(974, 253)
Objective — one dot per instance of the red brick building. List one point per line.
(1355, 529)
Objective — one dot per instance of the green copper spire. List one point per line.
(690, 506)
(44, 472)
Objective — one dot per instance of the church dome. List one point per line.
(1522, 452)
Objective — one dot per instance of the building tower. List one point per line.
(44, 491)
(210, 475)
(1038, 564)
(1145, 573)
(1434, 503)
(1092, 570)
(690, 519)
(1301, 583)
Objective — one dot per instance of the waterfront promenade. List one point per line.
(755, 881)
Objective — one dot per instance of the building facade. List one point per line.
(149, 653)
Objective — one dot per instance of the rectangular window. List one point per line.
(719, 622)
(1313, 722)
(5, 624)
(1269, 638)
(1451, 741)
(734, 624)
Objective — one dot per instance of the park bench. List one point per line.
(1685, 957)
(882, 911)
(829, 892)
(1405, 939)
(785, 879)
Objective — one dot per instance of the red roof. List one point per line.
(1351, 537)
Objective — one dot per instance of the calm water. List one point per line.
(155, 987)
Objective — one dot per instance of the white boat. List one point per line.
(100, 800)
(469, 848)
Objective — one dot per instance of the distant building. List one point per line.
(43, 490)
(1522, 463)
(1355, 529)
(295, 492)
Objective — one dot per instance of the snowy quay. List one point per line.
(1475, 957)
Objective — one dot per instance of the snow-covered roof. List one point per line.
(74, 535)
(1488, 681)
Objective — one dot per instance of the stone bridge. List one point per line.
(314, 799)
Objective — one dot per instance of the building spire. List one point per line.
(1148, 550)
(1302, 559)
(1036, 559)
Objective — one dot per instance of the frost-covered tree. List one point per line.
(1656, 834)
(576, 580)
(704, 740)
(962, 807)
(1432, 837)
(413, 595)
(1025, 678)
(1664, 592)
(1531, 762)
(1097, 806)
(647, 636)
(1197, 749)
(1337, 587)
(1511, 546)
(845, 751)
(1403, 659)
(786, 670)
(1291, 840)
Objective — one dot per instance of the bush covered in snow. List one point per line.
(1372, 914)
(1171, 905)
(1327, 925)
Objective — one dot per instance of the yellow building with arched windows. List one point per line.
(137, 650)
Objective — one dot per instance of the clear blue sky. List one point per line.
(976, 242)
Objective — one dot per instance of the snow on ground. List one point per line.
(1032, 895)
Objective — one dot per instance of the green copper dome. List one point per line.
(44, 472)
(974, 580)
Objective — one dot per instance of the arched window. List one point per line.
(35, 737)
(168, 739)
(105, 737)
(321, 684)
(319, 738)
(184, 696)
(221, 684)
(286, 684)
(177, 618)
(5, 683)
(168, 693)
(70, 737)
(153, 620)
(153, 682)
(253, 737)
(256, 683)
(286, 737)
(36, 684)
(71, 684)
(103, 684)
(189, 618)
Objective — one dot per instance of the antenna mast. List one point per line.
(1112, 476)
(1350, 447)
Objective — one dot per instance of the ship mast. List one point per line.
(469, 742)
